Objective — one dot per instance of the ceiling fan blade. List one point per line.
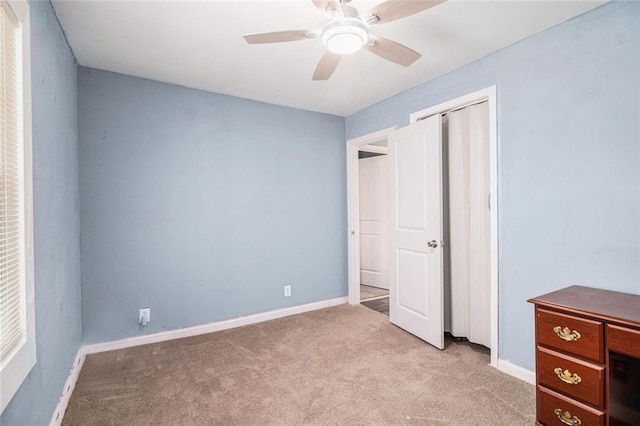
(327, 65)
(394, 52)
(391, 10)
(277, 36)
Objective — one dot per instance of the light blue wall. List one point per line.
(203, 206)
(57, 226)
(569, 159)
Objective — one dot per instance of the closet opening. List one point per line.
(467, 223)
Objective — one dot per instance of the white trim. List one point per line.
(353, 208)
(489, 94)
(18, 365)
(371, 299)
(516, 371)
(69, 386)
(493, 202)
(457, 103)
(211, 327)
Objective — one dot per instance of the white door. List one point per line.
(416, 271)
(373, 221)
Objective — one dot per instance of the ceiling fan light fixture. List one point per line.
(344, 39)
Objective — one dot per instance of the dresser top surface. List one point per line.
(605, 304)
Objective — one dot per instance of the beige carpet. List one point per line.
(345, 365)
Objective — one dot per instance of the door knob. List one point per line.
(433, 244)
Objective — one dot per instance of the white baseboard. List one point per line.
(517, 371)
(211, 327)
(69, 385)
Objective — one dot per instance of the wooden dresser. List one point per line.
(587, 358)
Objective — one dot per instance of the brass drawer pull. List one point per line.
(566, 334)
(566, 418)
(567, 377)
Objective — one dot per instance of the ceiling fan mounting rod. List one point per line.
(349, 12)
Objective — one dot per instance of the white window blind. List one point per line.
(12, 309)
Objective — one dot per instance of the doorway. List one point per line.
(372, 143)
(374, 225)
(489, 262)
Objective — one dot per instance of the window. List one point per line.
(17, 320)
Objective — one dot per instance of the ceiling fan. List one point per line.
(347, 31)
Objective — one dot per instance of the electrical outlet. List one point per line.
(287, 290)
(144, 316)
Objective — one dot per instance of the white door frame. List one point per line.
(353, 206)
(488, 94)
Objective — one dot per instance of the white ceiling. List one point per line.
(200, 45)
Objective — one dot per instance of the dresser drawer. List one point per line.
(579, 379)
(570, 334)
(623, 340)
(558, 410)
